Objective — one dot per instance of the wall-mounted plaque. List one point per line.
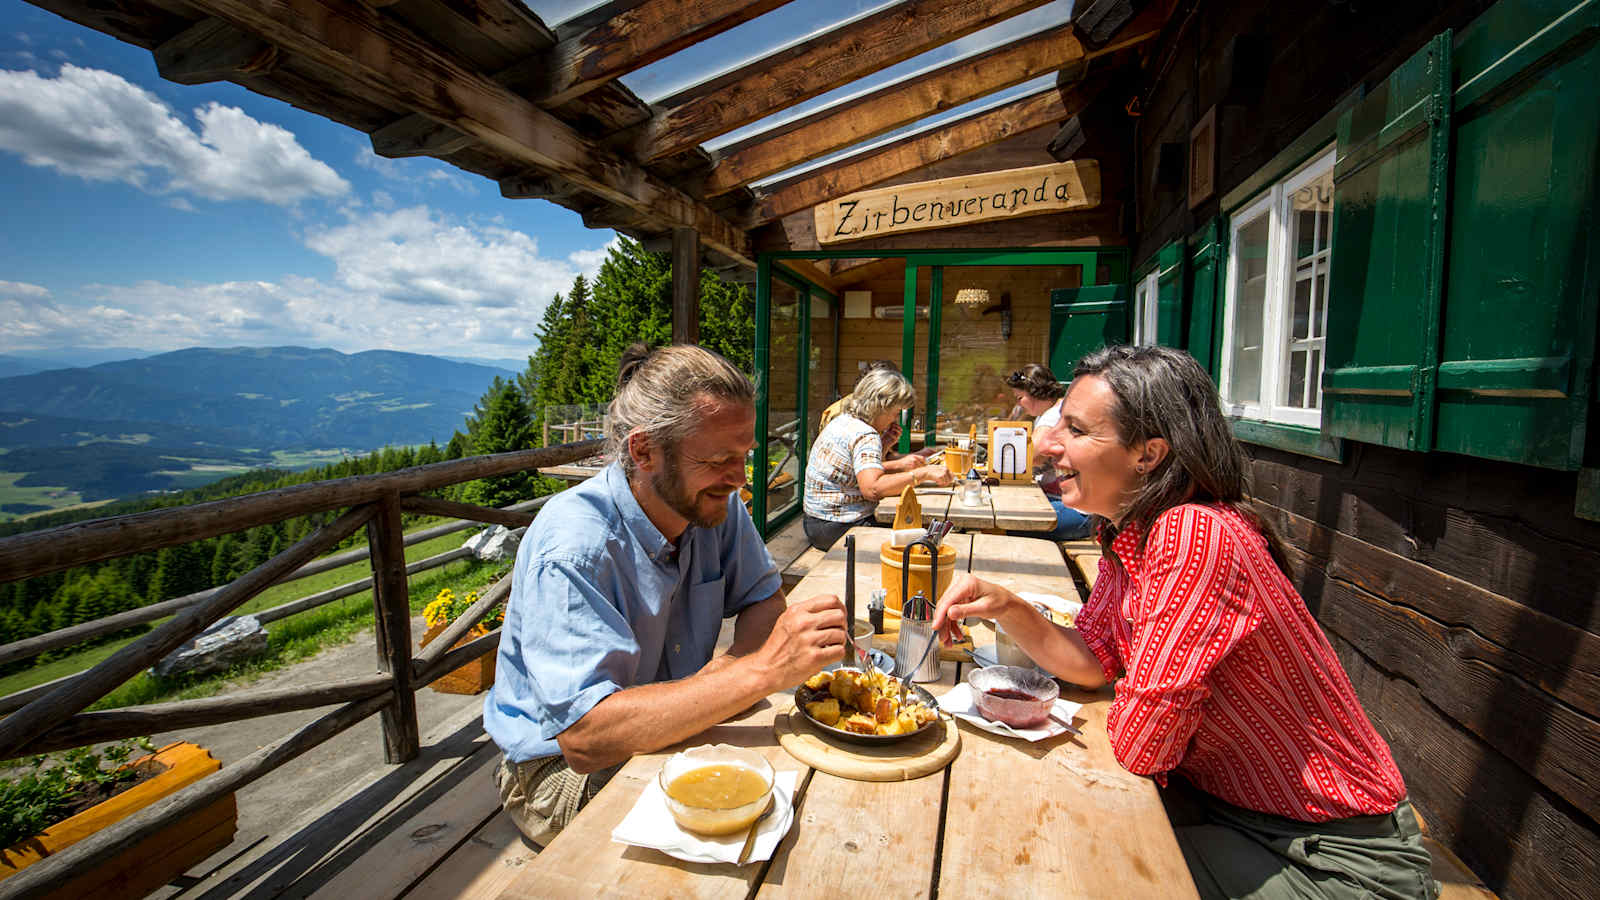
(960, 200)
(1203, 158)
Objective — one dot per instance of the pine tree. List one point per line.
(501, 423)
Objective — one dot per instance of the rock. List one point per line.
(230, 640)
(495, 544)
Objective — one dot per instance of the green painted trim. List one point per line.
(1588, 500)
(789, 514)
(801, 283)
(802, 444)
(1310, 142)
(1290, 438)
(935, 324)
(908, 345)
(761, 363)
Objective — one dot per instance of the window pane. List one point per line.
(783, 401)
(1302, 306)
(1249, 306)
(1297, 378)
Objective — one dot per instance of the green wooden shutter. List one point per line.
(1388, 256)
(1085, 319)
(1206, 257)
(1169, 295)
(1519, 322)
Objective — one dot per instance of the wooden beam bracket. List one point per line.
(213, 50)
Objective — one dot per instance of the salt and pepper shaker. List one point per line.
(916, 631)
(875, 605)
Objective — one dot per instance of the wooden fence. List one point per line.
(54, 718)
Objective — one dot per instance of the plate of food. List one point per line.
(863, 707)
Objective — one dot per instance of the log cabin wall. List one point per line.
(1459, 592)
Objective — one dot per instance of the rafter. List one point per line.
(635, 38)
(387, 60)
(875, 166)
(814, 66)
(897, 104)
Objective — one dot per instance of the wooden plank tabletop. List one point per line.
(1022, 507)
(1018, 564)
(1059, 818)
(977, 518)
(934, 501)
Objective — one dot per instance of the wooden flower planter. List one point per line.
(144, 865)
(472, 678)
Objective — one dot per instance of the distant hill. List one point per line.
(266, 398)
(507, 366)
(17, 365)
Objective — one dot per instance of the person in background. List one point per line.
(846, 474)
(890, 435)
(1039, 395)
(1227, 692)
(620, 589)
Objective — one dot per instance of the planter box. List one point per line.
(471, 678)
(147, 864)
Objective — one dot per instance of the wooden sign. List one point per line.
(962, 200)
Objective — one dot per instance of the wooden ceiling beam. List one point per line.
(875, 166)
(811, 67)
(212, 50)
(635, 38)
(897, 104)
(385, 59)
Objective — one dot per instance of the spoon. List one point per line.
(750, 839)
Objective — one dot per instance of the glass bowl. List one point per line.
(715, 819)
(1014, 695)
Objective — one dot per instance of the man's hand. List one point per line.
(808, 636)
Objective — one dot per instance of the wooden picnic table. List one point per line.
(1059, 818)
(1007, 507)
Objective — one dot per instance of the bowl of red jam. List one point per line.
(1014, 695)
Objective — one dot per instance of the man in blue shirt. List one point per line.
(620, 588)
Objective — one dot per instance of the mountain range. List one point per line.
(267, 398)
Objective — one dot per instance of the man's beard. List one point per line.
(669, 487)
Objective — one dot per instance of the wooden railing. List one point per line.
(55, 718)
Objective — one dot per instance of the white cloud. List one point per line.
(100, 126)
(414, 171)
(405, 279)
(23, 290)
(588, 261)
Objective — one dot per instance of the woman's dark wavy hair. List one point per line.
(1037, 381)
(1162, 392)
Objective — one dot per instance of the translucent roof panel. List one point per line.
(554, 12)
(788, 24)
(1035, 20)
(999, 98)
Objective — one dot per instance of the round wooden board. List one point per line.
(914, 758)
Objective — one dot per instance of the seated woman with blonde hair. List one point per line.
(846, 474)
(1227, 692)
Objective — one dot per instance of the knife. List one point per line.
(850, 598)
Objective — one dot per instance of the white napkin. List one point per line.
(650, 824)
(959, 702)
(904, 536)
(1051, 601)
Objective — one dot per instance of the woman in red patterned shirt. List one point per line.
(1221, 674)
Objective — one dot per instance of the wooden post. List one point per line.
(391, 602)
(685, 286)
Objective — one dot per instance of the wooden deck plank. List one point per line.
(1022, 507)
(482, 867)
(413, 847)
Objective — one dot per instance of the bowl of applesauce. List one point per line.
(716, 789)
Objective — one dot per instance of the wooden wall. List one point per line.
(1461, 595)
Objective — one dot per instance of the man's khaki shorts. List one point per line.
(543, 795)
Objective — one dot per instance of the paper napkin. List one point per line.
(650, 824)
(959, 702)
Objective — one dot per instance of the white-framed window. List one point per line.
(1146, 302)
(1276, 312)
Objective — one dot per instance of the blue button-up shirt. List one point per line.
(601, 601)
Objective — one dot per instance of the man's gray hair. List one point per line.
(879, 391)
(662, 394)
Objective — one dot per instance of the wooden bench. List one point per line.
(1083, 560)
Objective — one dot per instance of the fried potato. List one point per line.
(824, 711)
(819, 681)
(860, 723)
(886, 709)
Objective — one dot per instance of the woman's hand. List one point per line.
(971, 596)
(937, 474)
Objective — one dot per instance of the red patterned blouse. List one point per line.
(1227, 677)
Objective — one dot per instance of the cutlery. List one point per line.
(750, 839)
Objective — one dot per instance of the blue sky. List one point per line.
(150, 215)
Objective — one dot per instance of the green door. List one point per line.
(1083, 320)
